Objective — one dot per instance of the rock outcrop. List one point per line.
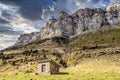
(113, 6)
(69, 25)
(27, 38)
(113, 13)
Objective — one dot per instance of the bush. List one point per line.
(87, 55)
(26, 53)
(35, 53)
(69, 61)
(36, 73)
(44, 56)
(63, 63)
(89, 47)
(13, 63)
(4, 62)
(56, 54)
(2, 56)
(28, 71)
(1, 53)
(60, 40)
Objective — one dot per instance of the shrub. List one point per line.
(13, 63)
(63, 63)
(28, 71)
(87, 55)
(25, 59)
(69, 61)
(2, 56)
(3, 62)
(56, 54)
(36, 73)
(35, 53)
(26, 53)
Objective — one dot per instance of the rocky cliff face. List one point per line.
(63, 26)
(27, 38)
(69, 25)
(113, 6)
(113, 13)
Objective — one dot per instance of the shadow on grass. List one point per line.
(61, 73)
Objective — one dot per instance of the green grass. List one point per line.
(102, 68)
(79, 76)
(109, 36)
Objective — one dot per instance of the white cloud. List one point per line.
(74, 5)
(40, 23)
(101, 4)
(8, 8)
(77, 3)
(16, 22)
(19, 23)
(46, 12)
(114, 1)
(89, 1)
(7, 40)
(2, 46)
(52, 8)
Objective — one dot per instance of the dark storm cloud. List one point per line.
(2, 21)
(8, 30)
(31, 9)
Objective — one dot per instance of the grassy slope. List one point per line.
(102, 36)
(105, 67)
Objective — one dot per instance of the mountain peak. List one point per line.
(70, 25)
(63, 13)
(113, 6)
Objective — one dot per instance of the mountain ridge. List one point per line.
(69, 25)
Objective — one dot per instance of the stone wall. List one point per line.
(54, 68)
(47, 70)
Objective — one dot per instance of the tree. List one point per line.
(13, 63)
(69, 61)
(101, 34)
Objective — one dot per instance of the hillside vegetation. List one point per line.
(90, 56)
(103, 68)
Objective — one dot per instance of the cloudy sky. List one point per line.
(26, 16)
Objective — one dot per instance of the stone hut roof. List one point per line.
(49, 60)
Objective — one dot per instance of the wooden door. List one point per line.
(43, 68)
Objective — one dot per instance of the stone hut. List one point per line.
(48, 67)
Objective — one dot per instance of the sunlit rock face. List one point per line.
(69, 25)
(27, 38)
(63, 26)
(113, 13)
(113, 6)
(113, 17)
(88, 19)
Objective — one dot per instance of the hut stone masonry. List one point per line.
(48, 67)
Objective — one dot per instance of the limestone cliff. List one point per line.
(69, 25)
(113, 6)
